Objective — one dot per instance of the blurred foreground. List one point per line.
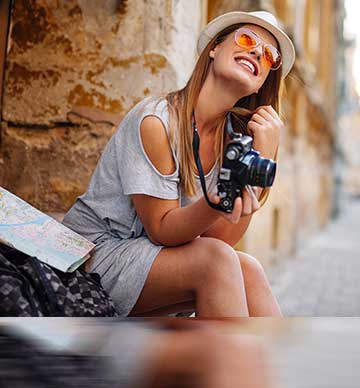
(180, 353)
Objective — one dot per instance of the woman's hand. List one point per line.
(243, 206)
(265, 126)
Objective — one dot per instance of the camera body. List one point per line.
(242, 166)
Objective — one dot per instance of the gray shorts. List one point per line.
(124, 266)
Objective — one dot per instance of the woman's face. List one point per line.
(229, 63)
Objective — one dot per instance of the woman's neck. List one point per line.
(214, 100)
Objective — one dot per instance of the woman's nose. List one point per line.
(257, 51)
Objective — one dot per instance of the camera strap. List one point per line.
(196, 147)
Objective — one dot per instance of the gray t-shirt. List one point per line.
(105, 214)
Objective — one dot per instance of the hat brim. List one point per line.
(223, 21)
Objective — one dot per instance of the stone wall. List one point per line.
(73, 69)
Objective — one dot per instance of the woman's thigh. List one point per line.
(178, 272)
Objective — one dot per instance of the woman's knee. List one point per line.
(217, 259)
(251, 267)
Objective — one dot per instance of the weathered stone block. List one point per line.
(84, 53)
(93, 57)
(50, 168)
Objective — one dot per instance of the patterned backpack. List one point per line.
(29, 287)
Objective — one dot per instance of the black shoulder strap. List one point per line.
(196, 147)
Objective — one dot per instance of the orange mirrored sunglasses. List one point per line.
(247, 39)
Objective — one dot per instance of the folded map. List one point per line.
(36, 234)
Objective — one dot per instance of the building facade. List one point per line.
(73, 69)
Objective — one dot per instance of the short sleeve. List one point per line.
(137, 173)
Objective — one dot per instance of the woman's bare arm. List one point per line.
(167, 224)
(164, 221)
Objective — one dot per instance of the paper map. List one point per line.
(36, 234)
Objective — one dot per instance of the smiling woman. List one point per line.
(160, 247)
(256, 55)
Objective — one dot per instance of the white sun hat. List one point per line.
(261, 18)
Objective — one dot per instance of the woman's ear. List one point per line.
(212, 53)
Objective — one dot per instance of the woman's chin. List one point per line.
(243, 81)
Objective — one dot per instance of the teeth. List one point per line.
(247, 63)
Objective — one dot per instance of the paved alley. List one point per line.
(324, 278)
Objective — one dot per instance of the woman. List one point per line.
(160, 248)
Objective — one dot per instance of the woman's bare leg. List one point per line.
(205, 271)
(260, 298)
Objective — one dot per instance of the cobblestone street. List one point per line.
(324, 278)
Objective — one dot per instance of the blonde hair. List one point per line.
(181, 105)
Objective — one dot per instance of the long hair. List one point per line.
(181, 105)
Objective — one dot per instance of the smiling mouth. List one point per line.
(247, 65)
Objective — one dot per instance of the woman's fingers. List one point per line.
(214, 198)
(271, 110)
(243, 206)
(267, 111)
(254, 192)
(237, 211)
(258, 118)
(232, 217)
(269, 114)
(265, 127)
(254, 127)
(266, 115)
(247, 202)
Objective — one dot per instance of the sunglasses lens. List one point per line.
(272, 57)
(244, 39)
(247, 39)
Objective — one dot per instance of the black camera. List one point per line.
(242, 166)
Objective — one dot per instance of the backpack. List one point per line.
(29, 287)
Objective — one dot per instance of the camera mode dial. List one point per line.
(232, 153)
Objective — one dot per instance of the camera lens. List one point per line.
(261, 172)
